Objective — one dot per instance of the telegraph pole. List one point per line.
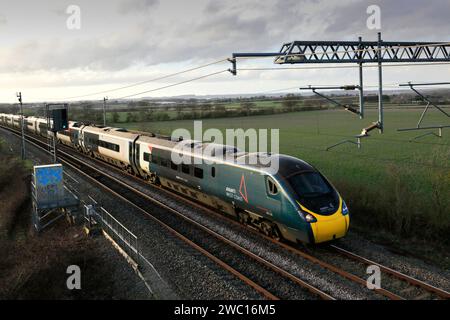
(19, 96)
(380, 86)
(361, 83)
(104, 110)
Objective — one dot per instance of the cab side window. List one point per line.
(272, 188)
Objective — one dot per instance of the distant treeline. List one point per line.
(188, 111)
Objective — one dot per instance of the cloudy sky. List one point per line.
(121, 42)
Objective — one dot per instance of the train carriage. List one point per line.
(113, 145)
(296, 202)
(8, 120)
(30, 124)
(41, 127)
(152, 161)
(69, 137)
(4, 119)
(16, 121)
(75, 129)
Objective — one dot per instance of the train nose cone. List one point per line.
(330, 228)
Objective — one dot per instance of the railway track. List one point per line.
(407, 286)
(398, 292)
(269, 280)
(395, 292)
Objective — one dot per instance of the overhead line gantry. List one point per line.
(419, 126)
(359, 52)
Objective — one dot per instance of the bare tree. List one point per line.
(290, 102)
(247, 106)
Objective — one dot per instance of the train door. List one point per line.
(145, 159)
(273, 197)
(74, 133)
(131, 156)
(81, 139)
(137, 162)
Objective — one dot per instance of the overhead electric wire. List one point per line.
(173, 85)
(147, 81)
(257, 69)
(262, 69)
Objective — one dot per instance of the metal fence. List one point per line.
(127, 240)
(49, 205)
(45, 213)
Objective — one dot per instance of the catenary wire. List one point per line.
(147, 81)
(173, 85)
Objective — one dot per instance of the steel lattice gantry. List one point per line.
(362, 52)
(359, 52)
(355, 52)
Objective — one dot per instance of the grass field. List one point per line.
(232, 110)
(392, 183)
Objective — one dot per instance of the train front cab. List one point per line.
(313, 212)
(328, 228)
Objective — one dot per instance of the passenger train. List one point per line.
(297, 203)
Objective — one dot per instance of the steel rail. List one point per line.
(218, 261)
(397, 274)
(386, 293)
(441, 293)
(299, 252)
(334, 269)
(266, 263)
(330, 267)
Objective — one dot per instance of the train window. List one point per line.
(173, 166)
(155, 159)
(198, 173)
(271, 187)
(213, 172)
(164, 162)
(146, 156)
(185, 168)
(106, 145)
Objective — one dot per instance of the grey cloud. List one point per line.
(217, 29)
(136, 6)
(400, 20)
(113, 52)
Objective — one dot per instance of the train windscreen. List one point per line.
(315, 193)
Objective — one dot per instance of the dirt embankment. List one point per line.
(33, 266)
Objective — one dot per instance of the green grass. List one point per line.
(390, 182)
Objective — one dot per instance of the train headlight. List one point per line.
(310, 218)
(344, 208)
(307, 216)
